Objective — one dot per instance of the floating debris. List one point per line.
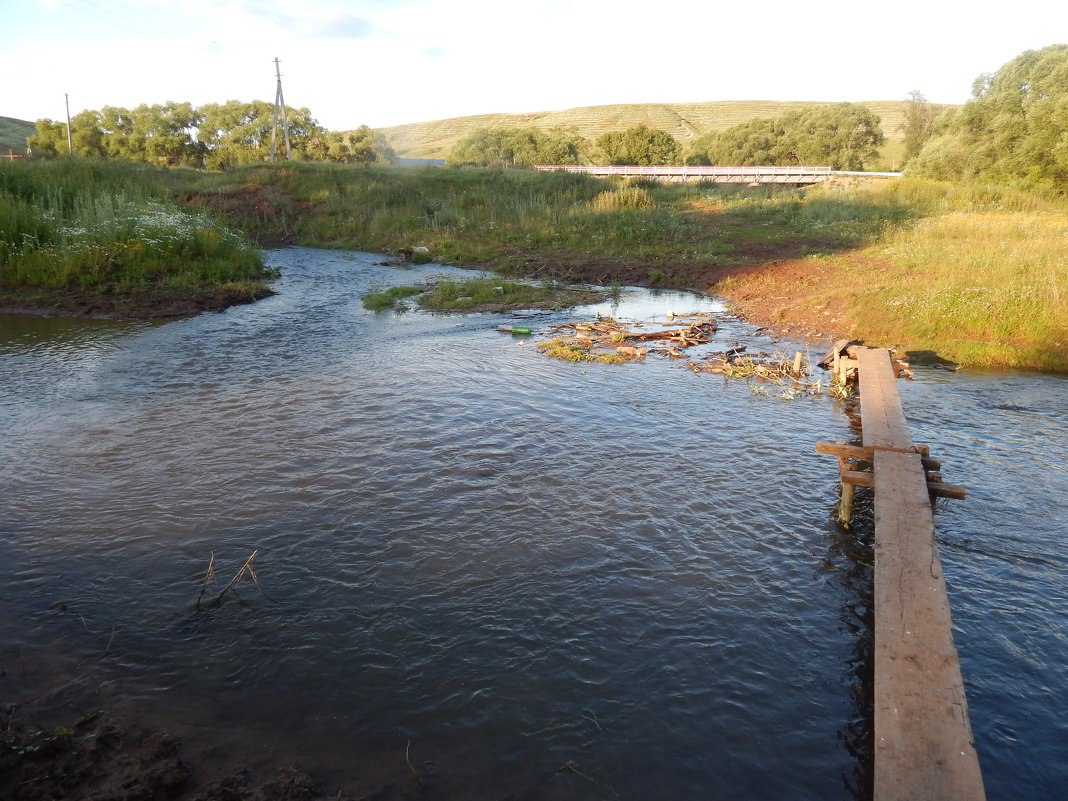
(606, 334)
(608, 341)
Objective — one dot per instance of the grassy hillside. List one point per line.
(13, 135)
(684, 121)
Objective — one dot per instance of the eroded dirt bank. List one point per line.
(141, 305)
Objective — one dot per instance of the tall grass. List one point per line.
(984, 287)
(977, 273)
(495, 217)
(110, 227)
(974, 272)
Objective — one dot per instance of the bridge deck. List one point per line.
(788, 174)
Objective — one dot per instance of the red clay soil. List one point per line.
(773, 294)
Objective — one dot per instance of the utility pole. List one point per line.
(280, 103)
(70, 144)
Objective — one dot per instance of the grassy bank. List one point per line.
(973, 273)
(484, 295)
(73, 231)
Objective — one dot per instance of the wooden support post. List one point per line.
(845, 502)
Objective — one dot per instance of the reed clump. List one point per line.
(627, 197)
(105, 227)
(389, 299)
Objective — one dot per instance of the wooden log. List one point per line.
(941, 490)
(859, 452)
(858, 478)
(923, 740)
(845, 504)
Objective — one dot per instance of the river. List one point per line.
(494, 574)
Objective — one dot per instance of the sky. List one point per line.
(388, 62)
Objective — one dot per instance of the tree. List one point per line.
(50, 138)
(217, 136)
(236, 133)
(362, 146)
(166, 134)
(519, 146)
(638, 145)
(1014, 127)
(840, 135)
(919, 125)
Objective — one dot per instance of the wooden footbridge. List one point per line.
(796, 175)
(923, 740)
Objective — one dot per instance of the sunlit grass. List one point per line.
(981, 287)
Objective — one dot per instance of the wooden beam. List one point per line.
(862, 478)
(858, 478)
(923, 740)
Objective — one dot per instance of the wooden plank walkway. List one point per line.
(923, 740)
(883, 423)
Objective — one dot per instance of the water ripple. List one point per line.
(502, 563)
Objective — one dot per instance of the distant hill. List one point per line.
(13, 135)
(684, 121)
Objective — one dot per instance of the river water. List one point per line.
(486, 574)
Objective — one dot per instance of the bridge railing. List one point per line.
(687, 170)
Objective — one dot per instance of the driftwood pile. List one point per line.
(608, 341)
(736, 363)
(608, 335)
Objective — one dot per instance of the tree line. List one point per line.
(213, 136)
(1014, 129)
(842, 135)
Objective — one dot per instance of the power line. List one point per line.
(280, 103)
(98, 17)
(129, 19)
(154, 17)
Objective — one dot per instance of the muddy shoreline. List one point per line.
(96, 756)
(140, 305)
(747, 288)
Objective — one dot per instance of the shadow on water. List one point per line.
(929, 358)
(851, 550)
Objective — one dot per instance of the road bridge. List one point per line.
(796, 175)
